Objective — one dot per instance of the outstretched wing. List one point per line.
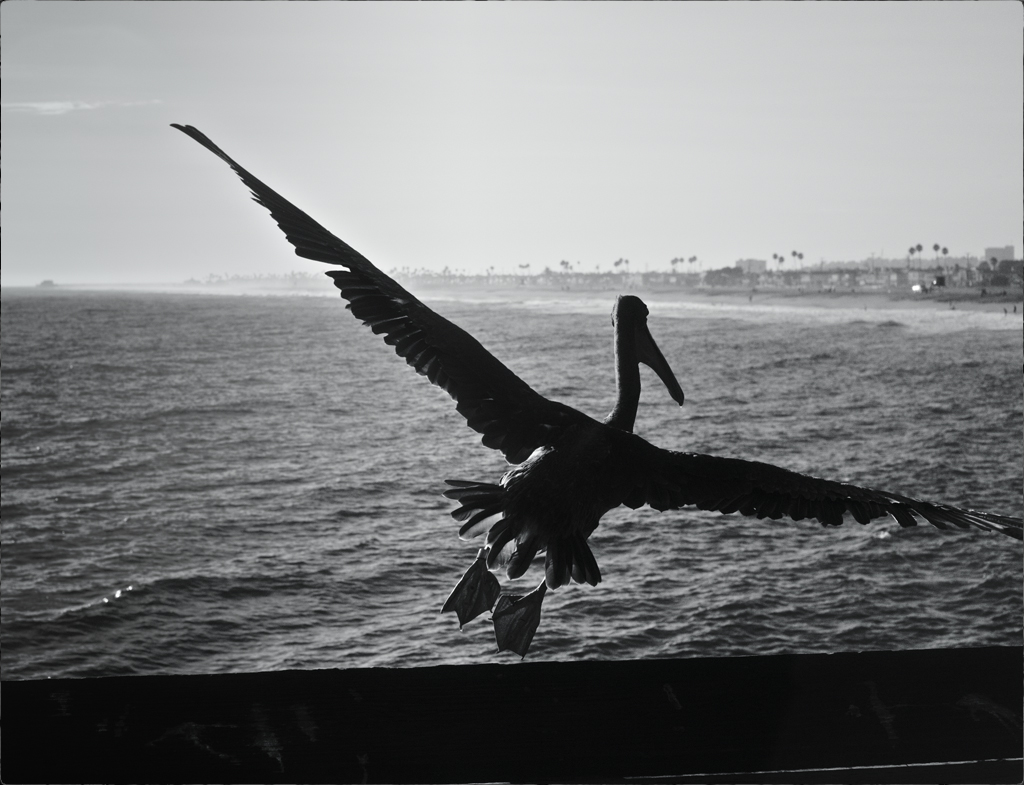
(511, 416)
(668, 480)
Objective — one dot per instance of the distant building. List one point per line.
(752, 265)
(999, 254)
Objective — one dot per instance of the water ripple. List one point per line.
(266, 479)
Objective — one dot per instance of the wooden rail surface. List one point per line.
(933, 715)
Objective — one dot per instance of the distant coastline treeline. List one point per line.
(875, 274)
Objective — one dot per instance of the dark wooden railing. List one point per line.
(912, 716)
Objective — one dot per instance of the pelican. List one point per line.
(567, 469)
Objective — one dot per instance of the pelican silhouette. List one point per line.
(568, 469)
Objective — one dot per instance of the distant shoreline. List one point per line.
(965, 299)
(970, 299)
(953, 298)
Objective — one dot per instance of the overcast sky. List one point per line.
(480, 135)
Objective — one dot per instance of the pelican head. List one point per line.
(635, 344)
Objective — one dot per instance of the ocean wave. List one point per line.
(273, 497)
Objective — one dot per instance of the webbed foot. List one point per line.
(516, 619)
(475, 593)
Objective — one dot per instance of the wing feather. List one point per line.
(670, 480)
(516, 419)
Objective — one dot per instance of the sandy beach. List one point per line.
(964, 299)
(951, 299)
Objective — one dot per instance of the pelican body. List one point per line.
(568, 469)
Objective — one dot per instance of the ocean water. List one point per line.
(208, 484)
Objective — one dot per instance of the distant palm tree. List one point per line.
(945, 251)
(936, 248)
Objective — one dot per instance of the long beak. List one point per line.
(649, 354)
